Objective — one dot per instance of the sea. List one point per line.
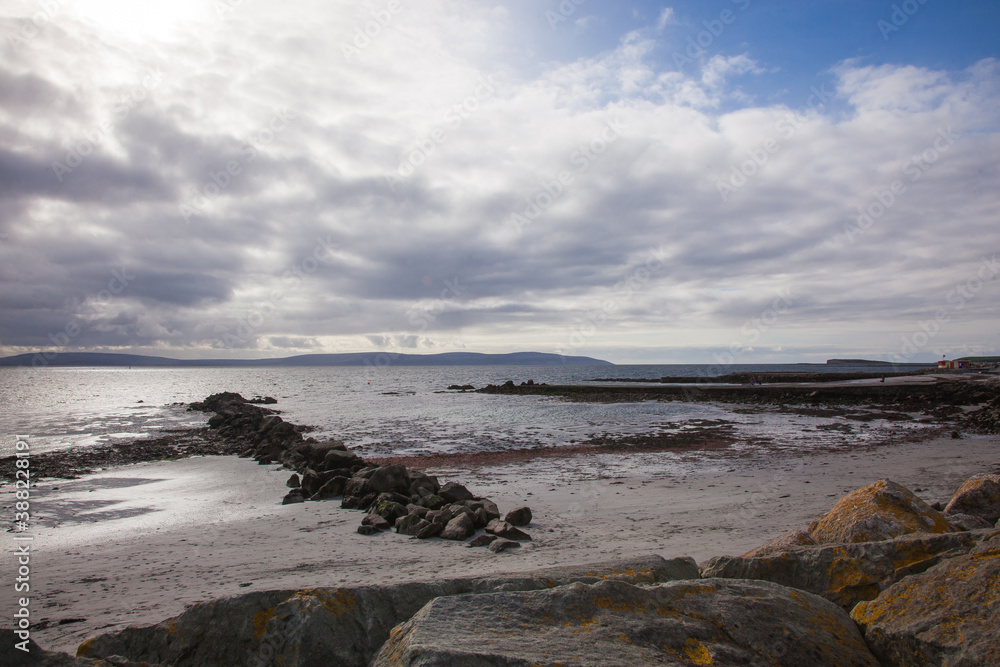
(400, 411)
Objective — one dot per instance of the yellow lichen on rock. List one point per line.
(83, 649)
(979, 496)
(697, 652)
(880, 511)
(947, 615)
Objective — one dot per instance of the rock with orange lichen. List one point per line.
(880, 511)
(708, 622)
(790, 540)
(330, 626)
(979, 497)
(845, 573)
(948, 615)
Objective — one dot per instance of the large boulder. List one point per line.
(713, 622)
(845, 573)
(331, 626)
(793, 539)
(979, 497)
(453, 492)
(880, 511)
(948, 615)
(392, 478)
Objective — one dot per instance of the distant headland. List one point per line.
(102, 359)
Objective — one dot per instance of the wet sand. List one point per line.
(136, 544)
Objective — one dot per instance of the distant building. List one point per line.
(955, 365)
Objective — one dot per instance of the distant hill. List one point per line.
(101, 359)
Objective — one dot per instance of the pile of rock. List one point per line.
(922, 585)
(393, 496)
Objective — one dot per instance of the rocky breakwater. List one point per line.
(923, 585)
(392, 496)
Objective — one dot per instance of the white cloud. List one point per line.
(666, 18)
(438, 246)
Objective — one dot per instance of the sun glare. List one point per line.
(144, 20)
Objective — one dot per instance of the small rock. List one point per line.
(430, 530)
(483, 540)
(293, 496)
(293, 482)
(458, 528)
(368, 530)
(499, 545)
(519, 517)
(504, 529)
(411, 524)
(453, 492)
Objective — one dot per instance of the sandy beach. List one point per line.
(137, 544)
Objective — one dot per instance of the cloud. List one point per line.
(666, 18)
(298, 243)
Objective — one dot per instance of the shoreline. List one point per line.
(136, 545)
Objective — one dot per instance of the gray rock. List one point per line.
(433, 502)
(498, 545)
(430, 530)
(376, 521)
(948, 615)
(482, 540)
(292, 497)
(334, 488)
(368, 530)
(492, 511)
(519, 517)
(268, 423)
(846, 573)
(293, 482)
(330, 626)
(388, 510)
(411, 524)
(505, 530)
(390, 478)
(458, 528)
(968, 522)
(978, 496)
(337, 458)
(611, 624)
(454, 492)
(480, 519)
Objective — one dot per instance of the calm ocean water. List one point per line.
(379, 410)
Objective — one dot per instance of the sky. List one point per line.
(731, 181)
